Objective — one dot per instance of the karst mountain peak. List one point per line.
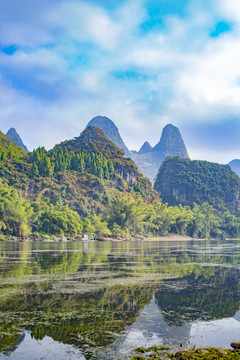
(147, 158)
(13, 135)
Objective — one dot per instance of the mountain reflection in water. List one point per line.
(99, 299)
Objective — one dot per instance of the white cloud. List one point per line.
(7, 93)
(229, 9)
(42, 58)
(212, 76)
(84, 22)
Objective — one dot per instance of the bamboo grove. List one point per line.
(125, 217)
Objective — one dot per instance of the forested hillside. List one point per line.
(124, 217)
(86, 186)
(182, 181)
(84, 173)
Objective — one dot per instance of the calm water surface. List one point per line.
(100, 300)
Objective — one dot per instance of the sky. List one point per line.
(142, 63)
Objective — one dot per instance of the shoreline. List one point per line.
(167, 238)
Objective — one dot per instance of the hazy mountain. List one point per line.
(146, 147)
(110, 130)
(235, 166)
(14, 136)
(170, 144)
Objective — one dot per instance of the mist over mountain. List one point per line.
(14, 136)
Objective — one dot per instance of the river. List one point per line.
(100, 300)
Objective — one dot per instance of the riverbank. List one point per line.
(170, 237)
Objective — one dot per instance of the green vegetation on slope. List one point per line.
(86, 185)
(183, 181)
(86, 179)
(123, 217)
(8, 149)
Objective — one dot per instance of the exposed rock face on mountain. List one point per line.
(14, 136)
(110, 130)
(182, 181)
(235, 166)
(170, 144)
(148, 159)
(146, 147)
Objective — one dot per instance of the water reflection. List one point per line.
(103, 297)
(29, 348)
(208, 293)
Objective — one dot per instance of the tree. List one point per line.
(162, 218)
(60, 220)
(100, 227)
(15, 212)
(34, 170)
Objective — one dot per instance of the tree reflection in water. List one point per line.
(87, 295)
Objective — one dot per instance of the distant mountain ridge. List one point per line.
(147, 158)
(170, 144)
(14, 136)
(146, 147)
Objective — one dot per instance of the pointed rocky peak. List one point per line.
(146, 147)
(8, 146)
(171, 143)
(110, 130)
(14, 136)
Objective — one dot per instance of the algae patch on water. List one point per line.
(162, 353)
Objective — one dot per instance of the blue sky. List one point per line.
(142, 63)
